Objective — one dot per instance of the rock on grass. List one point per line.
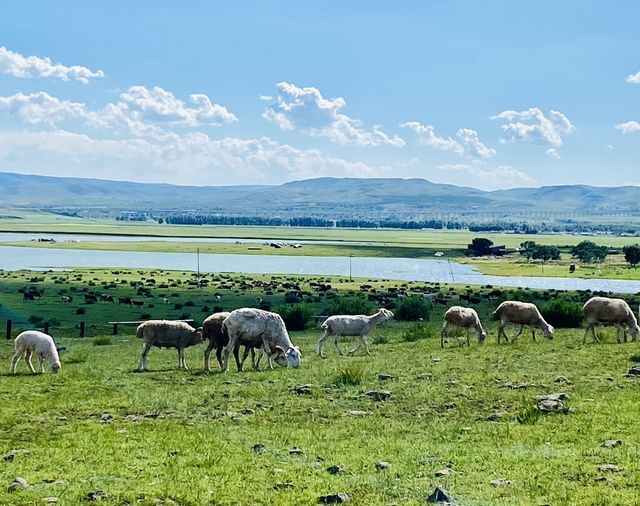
(339, 498)
(19, 483)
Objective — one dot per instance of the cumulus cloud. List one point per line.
(17, 65)
(468, 140)
(478, 176)
(37, 108)
(306, 110)
(533, 125)
(633, 78)
(553, 153)
(628, 128)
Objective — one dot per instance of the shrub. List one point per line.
(35, 319)
(353, 374)
(563, 314)
(80, 310)
(177, 306)
(189, 303)
(265, 305)
(145, 316)
(419, 331)
(102, 341)
(292, 297)
(350, 305)
(296, 316)
(78, 357)
(412, 309)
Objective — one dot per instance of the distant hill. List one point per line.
(322, 196)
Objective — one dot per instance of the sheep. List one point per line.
(218, 338)
(522, 313)
(167, 334)
(599, 310)
(466, 318)
(347, 325)
(33, 341)
(262, 329)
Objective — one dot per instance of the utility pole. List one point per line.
(350, 256)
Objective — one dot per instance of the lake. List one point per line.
(406, 269)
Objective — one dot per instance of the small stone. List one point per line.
(560, 396)
(339, 498)
(51, 500)
(611, 443)
(15, 453)
(258, 448)
(106, 418)
(339, 469)
(495, 417)
(501, 482)
(610, 378)
(19, 483)
(285, 485)
(378, 395)
(441, 496)
(425, 376)
(602, 478)
(436, 359)
(62, 418)
(303, 389)
(383, 465)
(248, 411)
(465, 429)
(356, 412)
(385, 377)
(609, 468)
(562, 379)
(96, 495)
(295, 451)
(443, 473)
(634, 371)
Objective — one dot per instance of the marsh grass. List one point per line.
(349, 375)
(102, 340)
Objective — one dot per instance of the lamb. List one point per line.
(33, 341)
(522, 313)
(466, 318)
(218, 339)
(262, 329)
(347, 325)
(599, 310)
(167, 334)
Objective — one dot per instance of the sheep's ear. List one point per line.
(280, 349)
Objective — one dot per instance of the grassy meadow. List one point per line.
(100, 429)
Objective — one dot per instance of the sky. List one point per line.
(493, 95)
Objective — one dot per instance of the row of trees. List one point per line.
(586, 251)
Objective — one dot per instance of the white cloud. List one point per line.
(628, 128)
(633, 78)
(478, 176)
(533, 126)
(468, 140)
(37, 108)
(266, 98)
(306, 110)
(17, 65)
(553, 153)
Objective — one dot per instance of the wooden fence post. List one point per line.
(115, 329)
(82, 329)
(46, 327)
(9, 322)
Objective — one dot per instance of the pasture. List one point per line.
(101, 430)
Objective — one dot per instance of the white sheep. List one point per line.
(33, 341)
(521, 313)
(260, 328)
(348, 325)
(601, 310)
(466, 318)
(167, 334)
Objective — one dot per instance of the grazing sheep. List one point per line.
(347, 325)
(33, 341)
(167, 334)
(466, 318)
(262, 329)
(218, 338)
(601, 310)
(521, 313)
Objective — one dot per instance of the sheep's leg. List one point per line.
(182, 358)
(225, 353)
(27, 359)
(267, 349)
(533, 334)
(501, 332)
(586, 332)
(335, 340)
(15, 360)
(236, 354)
(142, 365)
(207, 357)
(442, 334)
(468, 337)
(41, 358)
(256, 358)
(245, 354)
(366, 344)
(321, 343)
(513, 339)
(595, 336)
(358, 346)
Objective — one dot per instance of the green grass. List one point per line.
(167, 434)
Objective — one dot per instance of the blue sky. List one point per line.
(485, 94)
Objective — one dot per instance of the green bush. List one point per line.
(563, 314)
(353, 374)
(102, 341)
(412, 309)
(350, 305)
(296, 316)
(419, 331)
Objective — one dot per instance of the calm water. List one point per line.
(380, 268)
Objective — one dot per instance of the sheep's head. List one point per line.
(482, 336)
(634, 330)
(55, 367)
(288, 358)
(386, 313)
(547, 330)
(196, 335)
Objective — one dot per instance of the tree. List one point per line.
(588, 251)
(546, 253)
(632, 254)
(527, 249)
(479, 247)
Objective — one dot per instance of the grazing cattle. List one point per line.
(138, 302)
(125, 301)
(90, 298)
(66, 299)
(106, 298)
(28, 297)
